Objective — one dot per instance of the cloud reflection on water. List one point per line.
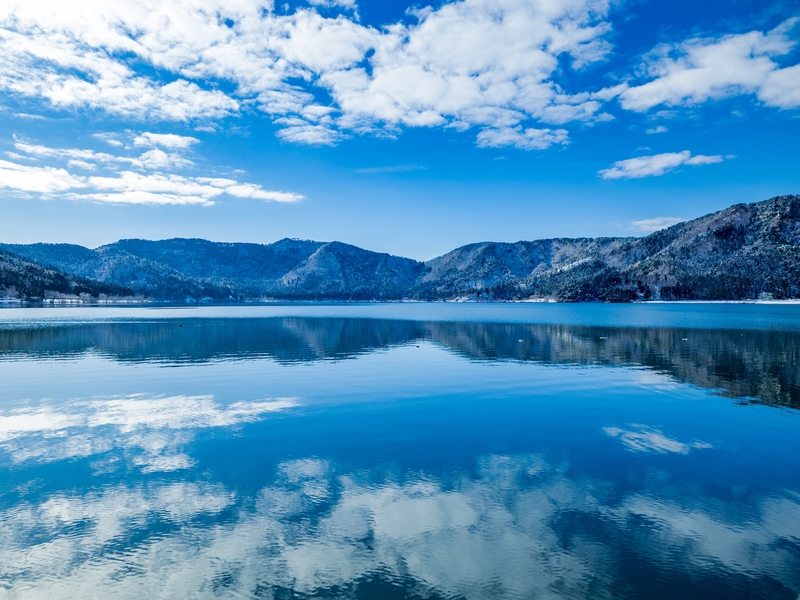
(508, 525)
(641, 438)
(152, 428)
(519, 527)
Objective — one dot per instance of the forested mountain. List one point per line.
(182, 269)
(23, 279)
(742, 252)
(737, 253)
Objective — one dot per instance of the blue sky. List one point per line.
(409, 129)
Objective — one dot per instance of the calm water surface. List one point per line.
(401, 451)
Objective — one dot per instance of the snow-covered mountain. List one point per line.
(745, 251)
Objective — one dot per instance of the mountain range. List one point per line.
(21, 278)
(746, 251)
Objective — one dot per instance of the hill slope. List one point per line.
(180, 269)
(738, 253)
(23, 279)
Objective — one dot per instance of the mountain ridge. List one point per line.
(22, 279)
(742, 252)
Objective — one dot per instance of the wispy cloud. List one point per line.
(109, 138)
(142, 179)
(154, 159)
(524, 139)
(81, 164)
(654, 224)
(165, 140)
(18, 156)
(298, 131)
(30, 116)
(392, 169)
(658, 129)
(655, 165)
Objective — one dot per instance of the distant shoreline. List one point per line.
(745, 253)
(17, 303)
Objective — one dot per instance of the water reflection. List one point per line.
(151, 431)
(201, 340)
(761, 366)
(502, 479)
(641, 438)
(518, 526)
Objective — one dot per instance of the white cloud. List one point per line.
(641, 438)
(156, 188)
(350, 4)
(31, 117)
(165, 140)
(129, 187)
(108, 84)
(488, 63)
(109, 138)
(81, 164)
(64, 153)
(474, 63)
(658, 164)
(524, 139)
(658, 129)
(299, 131)
(654, 224)
(156, 159)
(17, 156)
(249, 190)
(122, 185)
(42, 180)
(781, 88)
(701, 69)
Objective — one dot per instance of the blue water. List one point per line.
(401, 451)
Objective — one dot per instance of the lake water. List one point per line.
(386, 451)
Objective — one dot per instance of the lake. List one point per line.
(410, 450)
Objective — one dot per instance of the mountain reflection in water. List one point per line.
(372, 459)
(755, 366)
